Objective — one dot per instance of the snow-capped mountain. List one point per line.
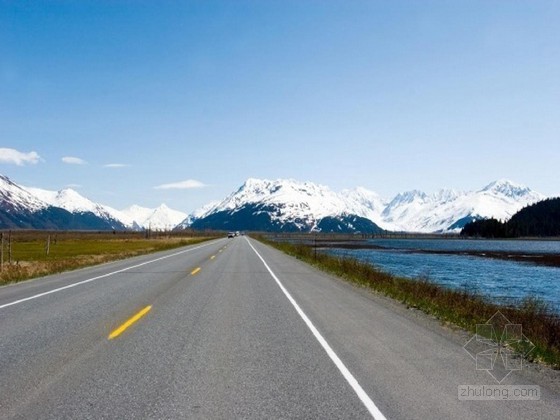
(298, 199)
(134, 217)
(279, 205)
(449, 210)
(22, 207)
(37, 208)
(15, 198)
(364, 203)
(288, 205)
(71, 200)
(164, 218)
(507, 188)
(160, 218)
(292, 205)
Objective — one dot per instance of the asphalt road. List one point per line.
(229, 329)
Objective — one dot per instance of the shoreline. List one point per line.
(545, 259)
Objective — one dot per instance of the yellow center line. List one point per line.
(128, 323)
(196, 270)
(212, 257)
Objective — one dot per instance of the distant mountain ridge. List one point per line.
(70, 200)
(134, 217)
(36, 208)
(273, 205)
(159, 218)
(289, 205)
(450, 210)
(20, 208)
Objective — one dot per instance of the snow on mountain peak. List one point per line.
(297, 199)
(67, 199)
(19, 198)
(413, 211)
(72, 201)
(418, 212)
(291, 201)
(134, 217)
(164, 218)
(365, 203)
(507, 188)
(446, 195)
(160, 218)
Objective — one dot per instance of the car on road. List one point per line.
(231, 234)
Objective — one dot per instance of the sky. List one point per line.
(179, 102)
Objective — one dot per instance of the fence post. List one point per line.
(1, 252)
(48, 247)
(315, 248)
(10, 247)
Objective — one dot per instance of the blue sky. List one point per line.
(180, 102)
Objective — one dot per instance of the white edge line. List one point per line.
(99, 277)
(362, 395)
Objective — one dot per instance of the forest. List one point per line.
(540, 219)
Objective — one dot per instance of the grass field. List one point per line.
(458, 307)
(29, 254)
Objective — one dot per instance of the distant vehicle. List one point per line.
(237, 233)
(231, 234)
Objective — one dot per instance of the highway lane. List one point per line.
(40, 336)
(217, 343)
(222, 340)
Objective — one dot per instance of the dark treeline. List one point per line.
(540, 219)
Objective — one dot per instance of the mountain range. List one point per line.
(289, 205)
(272, 205)
(35, 208)
(25, 209)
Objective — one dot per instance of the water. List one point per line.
(506, 282)
(518, 246)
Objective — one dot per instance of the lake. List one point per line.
(506, 282)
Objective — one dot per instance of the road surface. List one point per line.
(229, 329)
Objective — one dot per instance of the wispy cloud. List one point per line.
(188, 184)
(116, 165)
(71, 160)
(15, 157)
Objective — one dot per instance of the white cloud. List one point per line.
(16, 157)
(73, 160)
(116, 165)
(182, 185)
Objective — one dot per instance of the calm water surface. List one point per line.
(504, 281)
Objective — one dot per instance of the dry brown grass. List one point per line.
(72, 250)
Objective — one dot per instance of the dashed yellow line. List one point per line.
(212, 257)
(196, 270)
(128, 323)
